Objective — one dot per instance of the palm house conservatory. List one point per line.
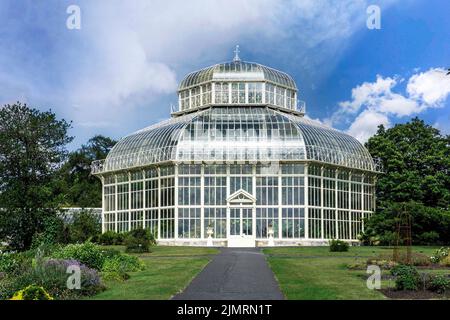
(238, 164)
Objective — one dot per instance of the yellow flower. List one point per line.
(19, 295)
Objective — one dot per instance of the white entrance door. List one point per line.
(241, 227)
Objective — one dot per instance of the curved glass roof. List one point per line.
(237, 71)
(238, 134)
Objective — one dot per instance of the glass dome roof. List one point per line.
(238, 134)
(237, 71)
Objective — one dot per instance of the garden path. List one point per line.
(234, 274)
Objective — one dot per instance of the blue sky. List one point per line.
(120, 71)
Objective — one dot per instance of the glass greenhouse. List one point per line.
(238, 165)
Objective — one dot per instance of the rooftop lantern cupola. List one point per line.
(238, 83)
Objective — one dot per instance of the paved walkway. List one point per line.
(235, 273)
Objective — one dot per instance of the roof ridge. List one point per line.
(285, 78)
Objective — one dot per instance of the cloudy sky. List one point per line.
(120, 71)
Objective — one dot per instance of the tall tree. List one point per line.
(416, 160)
(32, 149)
(80, 188)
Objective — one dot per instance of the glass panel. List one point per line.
(222, 93)
(238, 183)
(151, 221)
(247, 222)
(215, 190)
(267, 190)
(266, 217)
(235, 221)
(238, 93)
(234, 133)
(293, 192)
(167, 223)
(255, 93)
(189, 191)
(189, 223)
(293, 223)
(206, 94)
(329, 224)
(314, 223)
(216, 218)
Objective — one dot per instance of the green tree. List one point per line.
(32, 149)
(416, 160)
(429, 225)
(85, 226)
(80, 188)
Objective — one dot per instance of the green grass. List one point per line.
(302, 272)
(353, 251)
(315, 273)
(166, 251)
(168, 271)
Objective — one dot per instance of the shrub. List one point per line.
(407, 277)
(122, 263)
(439, 254)
(115, 276)
(417, 259)
(445, 261)
(52, 275)
(107, 239)
(138, 241)
(7, 262)
(57, 269)
(385, 260)
(428, 238)
(338, 246)
(14, 263)
(32, 292)
(54, 232)
(87, 253)
(152, 238)
(120, 238)
(439, 283)
(108, 253)
(382, 262)
(111, 238)
(84, 226)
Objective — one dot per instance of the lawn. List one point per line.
(175, 251)
(302, 272)
(168, 271)
(315, 273)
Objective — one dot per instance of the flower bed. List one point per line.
(52, 270)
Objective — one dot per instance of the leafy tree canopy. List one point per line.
(79, 187)
(32, 149)
(416, 160)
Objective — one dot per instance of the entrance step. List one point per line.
(241, 242)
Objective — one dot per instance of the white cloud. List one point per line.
(397, 105)
(376, 101)
(443, 126)
(431, 87)
(130, 55)
(368, 94)
(137, 51)
(366, 124)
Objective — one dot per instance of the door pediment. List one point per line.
(241, 196)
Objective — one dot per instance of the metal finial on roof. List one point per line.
(236, 54)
